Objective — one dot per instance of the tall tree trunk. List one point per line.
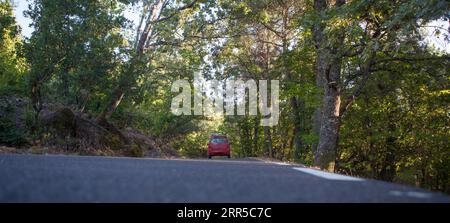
(329, 130)
(320, 65)
(328, 68)
(317, 116)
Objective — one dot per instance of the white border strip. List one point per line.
(326, 175)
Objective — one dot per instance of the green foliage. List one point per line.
(12, 64)
(193, 145)
(413, 102)
(135, 151)
(10, 133)
(76, 50)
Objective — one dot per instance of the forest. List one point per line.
(363, 91)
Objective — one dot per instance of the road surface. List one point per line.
(54, 178)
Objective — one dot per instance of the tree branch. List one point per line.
(272, 29)
(178, 10)
(366, 75)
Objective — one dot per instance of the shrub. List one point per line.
(135, 151)
(10, 134)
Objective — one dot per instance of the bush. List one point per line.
(10, 134)
(135, 151)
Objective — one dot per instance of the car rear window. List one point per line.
(219, 140)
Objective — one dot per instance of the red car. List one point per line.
(218, 145)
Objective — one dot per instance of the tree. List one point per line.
(75, 47)
(340, 38)
(394, 131)
(259, 40)
(12, 63)
(147, 39)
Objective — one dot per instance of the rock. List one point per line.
(62, 121)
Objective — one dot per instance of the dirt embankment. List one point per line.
(64, 131)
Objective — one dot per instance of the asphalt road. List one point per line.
(50, 178)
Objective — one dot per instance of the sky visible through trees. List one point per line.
(132, 14)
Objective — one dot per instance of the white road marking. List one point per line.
(396, 193)
(281, 164)
(418, 194)
(326, 175)
(414, 194)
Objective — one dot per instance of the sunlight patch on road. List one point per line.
(326, 175)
